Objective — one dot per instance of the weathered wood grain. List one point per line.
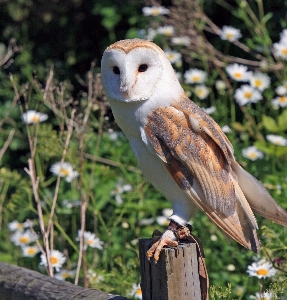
(174, 277)
(18, 283)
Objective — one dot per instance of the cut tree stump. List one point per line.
(174, 277)
(18, 283)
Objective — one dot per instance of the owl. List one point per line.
(180, 149)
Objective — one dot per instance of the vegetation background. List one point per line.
(50, 54)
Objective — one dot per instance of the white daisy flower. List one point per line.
(220, 85)
(93, 277)
(260, 81)
(166, 30)
(226, 129)
(261, 269)
(213, 237)
(201, 91)
(136, 291)
(32, 117)
(210, 110)
(167, 212)
(280, 49)
(30, 251)
(281, 90)
(145, 222)
(23, 238)
(276, 139)
(162, 221)
(252, 153)
(148, 34)
(280, 101)
(230, 267)
(247, 94)
(238, 72)
(64, 274)
(283, 36)
(230, 34)
(57, 259)
(64, 169)
(263, 296)
(113, 135)
(155, 11)
(194, 76)
(182, 41)
(91, 240)
(119, 190)
(15, 225)
(173, 56)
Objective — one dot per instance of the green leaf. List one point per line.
(270, 124)
(282, 120)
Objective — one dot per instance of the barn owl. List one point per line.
(180, 149)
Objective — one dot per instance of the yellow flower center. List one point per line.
(238, 75)
(171, 56)
(262, 272)
(31, 251)
(138, 292)
(64, 172)
(229, 35)
(258, 82)
(196, 78)
(90, 242)
(247, 95)
(155, 12)
(200, 92)
(24, 239)
(20, 226)
(35, 119)
(284, 51)
(252, 155)
(65, 275)
(54, 260)
(283, 99)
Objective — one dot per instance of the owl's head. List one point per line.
(132, 69)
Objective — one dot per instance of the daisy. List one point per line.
(91, 240)
(15, 225)
(280, 49)
(136, 291)
(147, 34)
(247, 94)
(119, 190)
(260, 81)
(230, 267)
(230, 34)
(210, 110)
(173, 56)
(263, 296)
(276, 140)
(113, 135)
(283, 36)
(145, 222)
(201, 91)
(226, 129)
(166, 30)
(23, 238)
(281, 90)
(57, 259)
(30, 251)
(64, 170)
(167, 212)
(261, 269)
(32, 117)
(280, 101)
(220, 85)
(93, 277)
(194, 76)
(155, 11)
(182, 41)
(252, 153)
(213, 237)
(238, 72)
(64, 274)
(162, 221)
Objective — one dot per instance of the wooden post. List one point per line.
(19, 283)
(174, 277)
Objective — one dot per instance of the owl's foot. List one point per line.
(170, 238)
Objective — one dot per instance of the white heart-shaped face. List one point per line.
(131, 76)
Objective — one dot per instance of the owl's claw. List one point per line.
(156, 248)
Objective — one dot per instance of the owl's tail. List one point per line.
(258, 197)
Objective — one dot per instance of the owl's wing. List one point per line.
(196, 151)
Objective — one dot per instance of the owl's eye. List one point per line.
(116, 70)
(142, 68)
